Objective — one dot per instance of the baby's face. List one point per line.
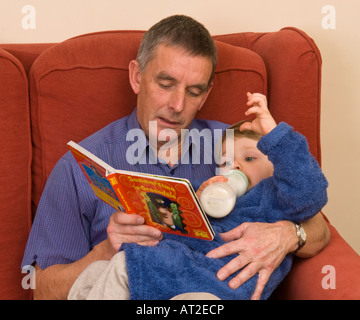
(247, 158)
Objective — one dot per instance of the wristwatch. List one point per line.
(301, 234)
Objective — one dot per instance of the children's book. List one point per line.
(167, 203)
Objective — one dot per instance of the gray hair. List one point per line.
(178, 31)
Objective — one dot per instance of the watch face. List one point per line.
(302, 234)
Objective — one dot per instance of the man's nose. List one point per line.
(177, 102)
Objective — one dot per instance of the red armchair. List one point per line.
(80, 85)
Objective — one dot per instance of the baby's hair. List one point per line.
(250, 134)
(243, 133)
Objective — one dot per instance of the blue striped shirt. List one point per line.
(71, 220)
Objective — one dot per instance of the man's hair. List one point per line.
(178, 31)
(243, 133)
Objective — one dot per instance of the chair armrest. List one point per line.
(331, 275)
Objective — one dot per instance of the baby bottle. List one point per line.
(218, 199)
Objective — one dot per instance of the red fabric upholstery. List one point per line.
(26, 54)
(15, 174)
(80, 85)
(337, 265)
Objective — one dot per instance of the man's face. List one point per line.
(171, 90)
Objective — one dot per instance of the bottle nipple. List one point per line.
(238, 181)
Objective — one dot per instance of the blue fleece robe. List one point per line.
(296, 192)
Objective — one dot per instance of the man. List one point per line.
(172, 77)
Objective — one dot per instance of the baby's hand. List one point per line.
(264, 121)
(209, 182)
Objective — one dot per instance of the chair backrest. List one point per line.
(293, 65)
(15, 177)
(80, 85)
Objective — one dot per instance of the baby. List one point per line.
(244, 155)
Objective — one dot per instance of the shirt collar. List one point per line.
(133, 123)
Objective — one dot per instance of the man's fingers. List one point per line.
(244, 275)
(235, 233)
(231, 267)
(120, 217)
(225, 250)
(233, 244)
(144, 231)
(148, 243)
(117, 240)
(260, 251)
(248, 271)
(131, 224)
(130, 228)
(260, 285)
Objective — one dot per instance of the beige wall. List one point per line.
(336, 33)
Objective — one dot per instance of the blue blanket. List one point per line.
(296, 192)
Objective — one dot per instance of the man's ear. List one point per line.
(134, 76)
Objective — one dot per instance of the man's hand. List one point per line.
(261, 248)
(126, 228)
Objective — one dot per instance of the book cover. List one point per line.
(168, 204)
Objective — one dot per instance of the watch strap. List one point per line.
(302, 241)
